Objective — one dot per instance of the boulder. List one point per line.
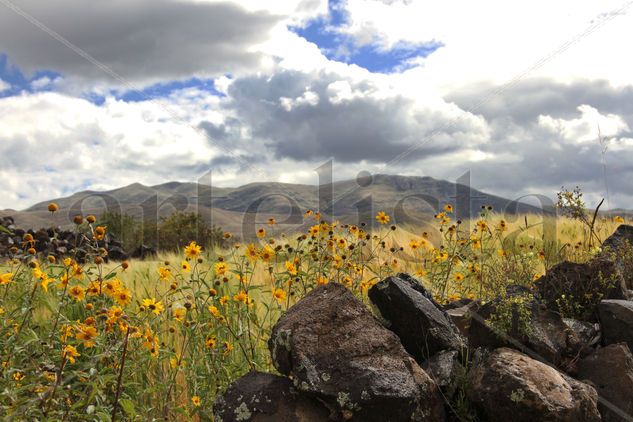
(117, 254)
(619, 248)
(549, 338)
(610, 371)
(422, 325)
(507, 385)
(616, 319)
(338, 352)
(261, 397)
(444, 368)
(583, 284)
(587, 333)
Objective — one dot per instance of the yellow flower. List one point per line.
(307, 214)
(196, 401)
(382, 218)
(214, 311)
(267, 253)
(220, 268)
(291, 268)
(223, 300)
(448, 208)
(6, 278)
(271, 221)
(482, 225)
(70, 352)
(501, 253)
(618, 219)
(261, 233)
(241, 297)
(279, 295)
(123, 296)
(18, 376)
(228, 347)
(193, 250)
(502, 226)
(112, 286)
(185, 266)
(86, 334)
(210, 342)
(414, 244)
(164, 273)
(322, 280)
(77, 292)
(458, 277)
(52, 207)
(251, 252)
(179, 313)
(93, 288)
(153, 306)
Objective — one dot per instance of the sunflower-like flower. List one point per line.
(193, 250)
(153, 306)
(382, 217)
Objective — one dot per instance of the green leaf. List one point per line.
(128, 408)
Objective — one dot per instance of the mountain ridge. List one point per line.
(409, 199)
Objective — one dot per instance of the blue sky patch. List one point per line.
(322, 31)
(161, 90)
(19, 82)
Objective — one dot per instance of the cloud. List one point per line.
(144, 41)
(4, 86)
(313, 116)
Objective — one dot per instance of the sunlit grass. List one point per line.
(79, 338)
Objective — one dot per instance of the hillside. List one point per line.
(408, 199)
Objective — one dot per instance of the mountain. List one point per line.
(408, 199)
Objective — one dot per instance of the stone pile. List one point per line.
(59, 243)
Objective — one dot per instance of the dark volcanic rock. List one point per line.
(587, 333)
(610, 371)
(338, 352)
(143, 252)
(261, 397)
(117, 254)
(444, 368)
(619, 248)
(507, 385)
(616, 319)
(584, 284)
(422, 325)
(550, 338)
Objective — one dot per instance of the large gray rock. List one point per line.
(616, 319)
(549, 338)
(584, 284)
(610, 371)
(339, 353)
(507, 385)
(422, 325)
(445, 368)
(261, 397)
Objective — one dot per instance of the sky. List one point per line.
(526, 96)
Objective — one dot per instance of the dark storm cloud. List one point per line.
(526, 100)
(544, 159)
(142, 40)
(365, 127)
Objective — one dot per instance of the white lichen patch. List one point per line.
(242, 413)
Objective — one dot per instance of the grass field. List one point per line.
(158, 339)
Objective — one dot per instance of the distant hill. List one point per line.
(408, 199)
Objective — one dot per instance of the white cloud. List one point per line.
(588, 127)
(4, 86)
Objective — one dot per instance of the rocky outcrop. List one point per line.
(616, 318)
(583, 284)
(548, 338)
(261, 397)
(53, 242)
(423, 326)
(339, 353)
(610, 371)
(507, 385)
(444, 368)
